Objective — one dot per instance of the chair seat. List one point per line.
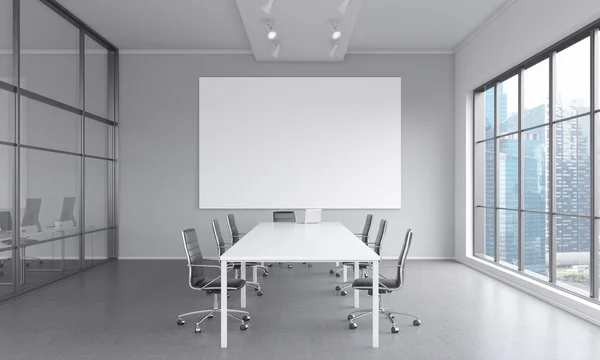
(361, 265)
(215, 286)
(367, 284)
(237, 266)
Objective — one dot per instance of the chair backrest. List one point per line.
(365, 233)
(402, 257)
(233, 230)
(31, 214)
(194, 256)
(284, 216)
(218, 237)
(67, 210)
(380, 236)
(6, 221)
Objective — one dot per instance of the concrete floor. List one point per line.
(128, 310)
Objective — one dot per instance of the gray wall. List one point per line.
(159, 150)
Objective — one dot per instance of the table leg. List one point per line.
(337, 263)
(375, 304)
(243, 291)
(356, 276)
(345, 274)
(223, 304)
(255, 274)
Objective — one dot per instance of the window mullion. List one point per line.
(551, 150)
(593, 268)
(521, 185)
(496, 174)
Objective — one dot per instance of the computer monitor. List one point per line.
(66, 213)
(5, 221)
(31, 215)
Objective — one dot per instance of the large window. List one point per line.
(537, 166)
(57, 154)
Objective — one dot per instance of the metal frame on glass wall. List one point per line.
(592, 32)
(18, 268)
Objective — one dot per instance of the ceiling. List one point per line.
(304, 28)
(217, 26)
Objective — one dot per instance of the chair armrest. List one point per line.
(212, 258)
(383, 286)
(203, 265)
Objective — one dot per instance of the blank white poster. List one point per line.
(292, 143)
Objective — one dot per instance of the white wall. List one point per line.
(159, 150)
(524, 29)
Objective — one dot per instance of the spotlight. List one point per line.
(276, 48)
(334, 48)
(335, 33)
(268, 6)
(271, 33)
(342, 8)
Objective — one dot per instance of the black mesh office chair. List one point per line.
(365, 266)
(236, 236)
(386, 286)
(222, 247)
(364, 236)
(284, 216)
(199, 281)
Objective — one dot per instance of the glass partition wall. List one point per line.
(536, 166)
(58, 125)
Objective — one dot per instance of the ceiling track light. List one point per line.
(276, 48)
(335, 33)
(268, 7)
(342, 8)
(271, 33)
(334, 47)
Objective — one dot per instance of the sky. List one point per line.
(572, 80)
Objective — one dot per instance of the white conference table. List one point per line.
(290, 242)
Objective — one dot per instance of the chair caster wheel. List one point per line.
(395, 329)
(41, 262)
(180, 322)
(309, 265)
(331, 271)
(289, 266)
(343, 293)
(246, 318)
(265, 274)
(244, 327)
(270, 265)
(338, 288)
(416, 322)
(211, 316)
(350, 317)
(352, 326)
(228, 296)
(27, 264)
(338, 275)
(259, 293)
(392, 316)
(197, 331)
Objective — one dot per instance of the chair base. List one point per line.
(210, 313)
(386, 312)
